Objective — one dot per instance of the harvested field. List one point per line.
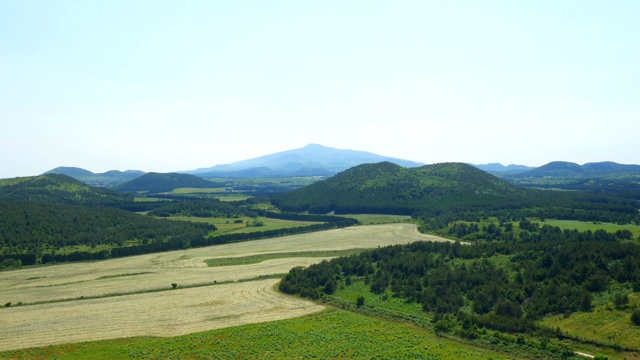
(123, 293)
(172, 313)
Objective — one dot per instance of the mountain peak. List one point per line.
(322, 160)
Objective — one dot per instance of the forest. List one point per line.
(503, 285)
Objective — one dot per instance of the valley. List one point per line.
(458, 262)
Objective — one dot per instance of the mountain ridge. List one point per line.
(105, 179)
(311, 160)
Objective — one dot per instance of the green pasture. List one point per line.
(374, 219)
(605, 324)
(183, 191)
(593, 226)
(220, 193)
(256, 259)
(227, 225)
(332, 334)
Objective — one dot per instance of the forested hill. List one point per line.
(109, 178)
(59, 189)
(159, 182)
(388, 188)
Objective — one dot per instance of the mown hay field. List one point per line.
(134, 297)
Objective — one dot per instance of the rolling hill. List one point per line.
(160, 182)
(109, 178)
(42, 214)
(311, 160)
(389, 188)
(497, 168)
(563, 169)
(59, 189)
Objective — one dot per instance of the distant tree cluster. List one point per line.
(201, 208)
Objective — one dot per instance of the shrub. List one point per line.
(635, 317)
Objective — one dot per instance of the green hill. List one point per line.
(60, 189)
(388, 188)
(54, 217)
(109, 178)
(159, 182)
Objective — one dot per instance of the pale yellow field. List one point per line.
(171, 312)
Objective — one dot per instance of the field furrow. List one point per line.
(134, 297)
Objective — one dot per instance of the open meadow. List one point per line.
(135, 296)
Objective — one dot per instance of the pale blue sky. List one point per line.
(178, 85)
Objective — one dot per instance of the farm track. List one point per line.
(173, 312)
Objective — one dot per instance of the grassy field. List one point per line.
(606, 324)
(373, 219)
(593, 226)
(227, 225)
(256, 259)
(331, 334)
(134, 296)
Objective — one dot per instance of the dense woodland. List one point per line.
(504, 285)
(34, 232)
(54, 218)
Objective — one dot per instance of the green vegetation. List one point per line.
(49, 232)
(153, 183)
(256, 259)
(58, 189)
(330, 334)
(441, 193)
(615, 179)
(373, 219)
(593, 226)
(109, 178)
(503, 287)
(606, 324)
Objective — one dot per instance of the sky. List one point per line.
(178, 85)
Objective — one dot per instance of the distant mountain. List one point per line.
(608, 167)
(59, 189)
(109, 178)
(311, 160)
(563, 169)
(389, 188)
(499, 168)
(159, 182)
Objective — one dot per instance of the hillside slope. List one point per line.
(389, 188)
(160, 182)
(60, 189)
(109, 178)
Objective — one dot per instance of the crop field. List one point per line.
(135, 296)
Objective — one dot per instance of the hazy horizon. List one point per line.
(161, 86)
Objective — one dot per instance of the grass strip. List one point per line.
(255, 259)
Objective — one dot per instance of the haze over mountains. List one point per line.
(318, 160)
(108, 178)
(311, 160)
